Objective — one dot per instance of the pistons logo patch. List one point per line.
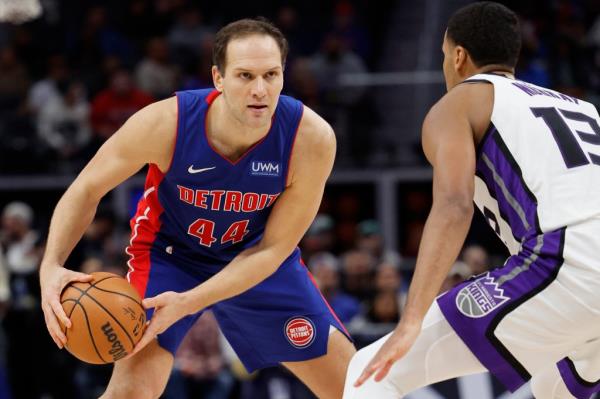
(300, 331)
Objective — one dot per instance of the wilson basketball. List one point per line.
(107, 318)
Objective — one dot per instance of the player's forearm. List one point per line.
(248, 269)
(443, 237)
(72, 215)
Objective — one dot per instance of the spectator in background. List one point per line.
(155, 74)
(22, 253)
(476, 258)
(45, 90)
(115, 104)
(345, 25)
(357, 272)
(302, 83)
(200, 370)
(324, 266)
(101, 245)
(459, 272)
(380, 317)
(388, 278)
(370, 239)
(188, 34)
(14, 80)
(63, 124)
(330, 63)
(320, 236)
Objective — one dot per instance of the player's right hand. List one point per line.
(396, 346)
(53, 280)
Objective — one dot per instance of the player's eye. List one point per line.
(245, 75)
(272, 74)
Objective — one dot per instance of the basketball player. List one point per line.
(530, 157)
(235, 178)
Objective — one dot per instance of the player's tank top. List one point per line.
(538, 165)
(207, 208)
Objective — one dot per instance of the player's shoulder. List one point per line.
(473, 100)
(314, 132)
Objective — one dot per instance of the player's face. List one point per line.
(448, 65)
(253, 79)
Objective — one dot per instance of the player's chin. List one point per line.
(258, 121)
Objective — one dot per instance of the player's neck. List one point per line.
(227, 133)
(496, 69)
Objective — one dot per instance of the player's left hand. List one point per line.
(393, 349)
(169, 307)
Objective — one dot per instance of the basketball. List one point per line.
(107, 318)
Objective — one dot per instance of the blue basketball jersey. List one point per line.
(195, 218)
(206, 207)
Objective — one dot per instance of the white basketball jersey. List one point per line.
(538, 166)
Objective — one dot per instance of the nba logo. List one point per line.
(300, 332)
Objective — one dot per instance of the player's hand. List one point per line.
(394, 348)
(169, 307)
(53, 280)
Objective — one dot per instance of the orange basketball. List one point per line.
(107, 318)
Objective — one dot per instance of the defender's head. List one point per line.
(248, 62)
(480, 37)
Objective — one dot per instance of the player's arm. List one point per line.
(448, 144)
(292, 214)
(147, 137)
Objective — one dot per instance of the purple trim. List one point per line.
(578, 387)
(506, 168)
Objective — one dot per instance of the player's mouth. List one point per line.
(258, 109)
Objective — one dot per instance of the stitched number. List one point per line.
(203, 229)
(569, 147)
(236, 232)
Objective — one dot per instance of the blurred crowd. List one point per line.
(69, 79)
(364, 283)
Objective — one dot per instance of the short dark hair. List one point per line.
(242, 28)
(489, 31)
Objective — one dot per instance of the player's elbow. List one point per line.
(456, 206)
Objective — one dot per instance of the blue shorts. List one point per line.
(283, 319)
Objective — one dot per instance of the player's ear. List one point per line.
(217, 78)
(460, 58)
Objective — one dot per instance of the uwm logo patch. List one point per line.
(259, 168)
(300, 331)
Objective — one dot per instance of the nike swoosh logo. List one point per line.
(192, 170)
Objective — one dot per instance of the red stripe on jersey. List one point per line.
(326, 303)
(289, 161)
(144, 226)
(211, 96)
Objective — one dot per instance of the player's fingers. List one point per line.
(151, 302)
(81, 277)
(60, 312)
(384, 370)
(53, 327)
(366, 374)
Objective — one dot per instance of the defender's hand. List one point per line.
(169, 307)
(392, 350)
(53, 280)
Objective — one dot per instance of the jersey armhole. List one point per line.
(179, 116)
(295, 136)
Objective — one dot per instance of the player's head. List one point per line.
(480, 37)
(248, 61)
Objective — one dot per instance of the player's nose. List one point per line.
(259, 88)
